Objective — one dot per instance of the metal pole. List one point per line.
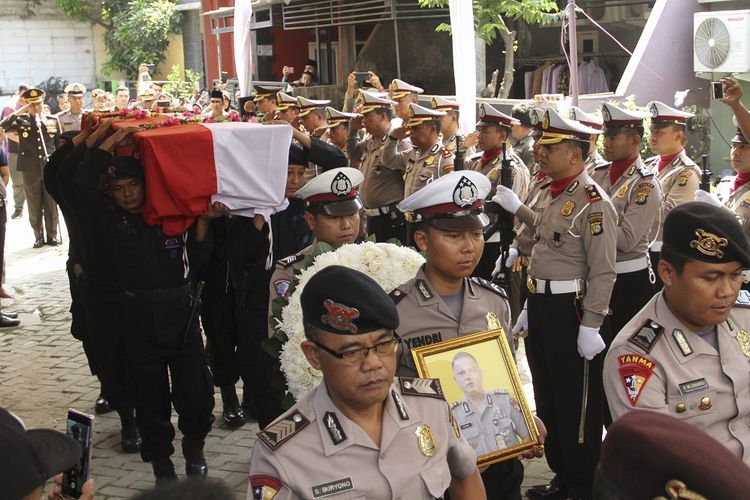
(317, 54)
(573, 39)
(395, 37)
(218, 51)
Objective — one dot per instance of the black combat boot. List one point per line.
(130, 437)
(163, 471)
(234, 415)
(195, 461)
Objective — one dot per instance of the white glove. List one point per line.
(590, 343)
(512, 256)
(507, 199)
(709, 198)
(522, 321)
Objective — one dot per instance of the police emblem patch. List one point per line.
(425, 440)
(567, 208)
(622, 191)
(596, 223)
(340, 316)
(635, 370)
(264, 487)
(341, 185)
(466, 193)
(281, 287)
(684, 176)
(709, 243)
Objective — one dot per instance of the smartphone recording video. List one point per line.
(80, 427)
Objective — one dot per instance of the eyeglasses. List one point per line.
(357, 356)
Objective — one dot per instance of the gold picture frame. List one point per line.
(466, 366)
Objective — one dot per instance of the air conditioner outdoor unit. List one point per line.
(721, 41)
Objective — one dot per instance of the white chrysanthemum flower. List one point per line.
(388, 264)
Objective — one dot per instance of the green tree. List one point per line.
(137, 30)
(501, 17)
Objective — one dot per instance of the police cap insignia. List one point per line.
(709, 243)
(340, 316)
(341, 185)
(647, 335)
(482, 111)
(465, 194)
(606, 115)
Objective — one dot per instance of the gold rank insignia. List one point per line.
(622, 191)
(425, 440)
(709, 244)
(567, 208)
(492, 322)
(744, 341)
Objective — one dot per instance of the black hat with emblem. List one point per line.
(334, 192)
(453, 202)
(345, 301)
(125, 167)
(707, 233)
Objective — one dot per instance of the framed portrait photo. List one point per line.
(481, 383)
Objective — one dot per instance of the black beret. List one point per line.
(341, 300)
(297, 155)
(707, 233)
(217, 94)
(645, 450)
(125, 167)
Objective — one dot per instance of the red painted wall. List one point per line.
(290, 49)
(210, 43)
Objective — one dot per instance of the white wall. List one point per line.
(32, 49)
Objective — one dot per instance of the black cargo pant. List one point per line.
(557, 373)
(169, 368)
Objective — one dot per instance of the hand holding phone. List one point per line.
(717, 90)
(80, 427)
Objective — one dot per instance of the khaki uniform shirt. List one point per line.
(576, 237)
(524, 240)
(424, 318)
(636, 196)
(519, 174)
(69, 120)
(679, 182)
(739, 203)
(282, 278)
(657, 363)
(384, 183)
(594, 160)
(419, 167)
(315, 451)
(499, 424)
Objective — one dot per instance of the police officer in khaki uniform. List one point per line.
(383, 186)
(36, 133)
(71, 118)
(265, 102)
(571, 274)
(404, 95)
(739, 198)
(332, 208)
(489, 421)
(594, 159)
(679, 176)
(427, 160)
(636, 195)
(361, 433)
(686, 353)
(441, 302)
(287, 109)
(312, 116)
(449, 132)
(337, 124)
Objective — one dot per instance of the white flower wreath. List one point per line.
(388, 264)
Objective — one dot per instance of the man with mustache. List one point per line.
(361, 433)
(686, 353)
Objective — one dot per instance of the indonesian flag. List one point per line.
(242, 165)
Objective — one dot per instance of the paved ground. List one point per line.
(43, 372)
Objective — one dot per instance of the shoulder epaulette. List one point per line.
(645, 172)
(476, 156)
(743, 299)
(600, 164)
(429, 387)
(455, 405)
(592, 193)
(288, 261)
(489, 286)
(283, 429)
(397, 295)
(500, 391)
(651, 159)
(647, 335)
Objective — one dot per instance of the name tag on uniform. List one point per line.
(332, 488)
(696, 385)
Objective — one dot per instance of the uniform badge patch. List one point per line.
(647, 335)
(421, 387)
(281, 287)
(592, 193)
(641, 196)
(466, 193)
(425, 440)
(622, 191)
(340, 316)
(567, 208)
(682, 179)
(682, 342)
(696, 385)
(332, 488)
(595, 223)
(264, 487)
(341, 185)
(635, 370)
(280, 432)
(333, 426)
